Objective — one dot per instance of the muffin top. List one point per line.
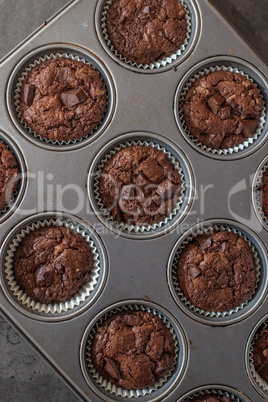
(211, 398)
(139, 185)
(63, 99)
(52, 263)
(133, 349)
(144, 31)
(222, 109)
(216, 271)
(260, 354)
(9, 171)
(264, 193)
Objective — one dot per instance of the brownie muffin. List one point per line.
(144, 31)
(260, 354)
(211, 398)
(9, 171)
(264, 193)
(222, 109)
(52, 263)
(63, 99)
(216, 271)
(139, 185)
(133, 350)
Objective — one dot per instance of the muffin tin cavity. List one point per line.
(176, 157)
(49, 52)
(106, 390)
(193, 30)
(232, 64)
(255, 379)
(215, 390)
(83, 298)
(256, 192)
(260, 261)
(14, 201)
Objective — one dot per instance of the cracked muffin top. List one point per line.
(133, 349)
(260, 354)
(63, 99)
(9, 171)
(52, 263)
(222, 109)
(139, 185)
(216, 271)
(144, 31)
(212, 398)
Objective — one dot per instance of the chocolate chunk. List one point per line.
(128, 192)
(28, 94)
(247, 127)
(232, 102)
(112, 369)
(72, 97)
(265, 352)
(165, 363)
(215, 103)
(62, 75)
(194, 271)
(141, 181)
(132, 320)
(146, 10)
(166, 189)
(225, 112)
(152, 170)
(116, 214)
(223, 279)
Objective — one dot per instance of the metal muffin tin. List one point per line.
(136, 267)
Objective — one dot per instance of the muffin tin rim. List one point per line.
(260, 293)
(190, 187)
(226, 60)
(254, 187)
(104, 268)
(56, 47)
(182, 341)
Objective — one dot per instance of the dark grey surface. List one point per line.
(24, 376)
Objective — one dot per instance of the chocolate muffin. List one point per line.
(139, 185)
(264, 193)
(216, 271)
(222, 109)
(52, 263)
(211, 398)
(133, 350)
(144, 31)
(9, 171)
(63, 99)
(260, 354)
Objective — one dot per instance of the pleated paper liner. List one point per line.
(178, 290)
(17, 98)
(257, 192)
(135, 228)
(158, 63)
(212, 392)
(83, 293)
(108, 386)
(226, 151)
(259, 380)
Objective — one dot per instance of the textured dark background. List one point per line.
(24, 376)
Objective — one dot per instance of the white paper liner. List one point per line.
(135, 228)
(18, 94)
(257, 378)
(79, 297)
(178, 290)
(223, 151)
(212, 392)
(10, 204)
(257, 192)
(108, 386)
(158, 63)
